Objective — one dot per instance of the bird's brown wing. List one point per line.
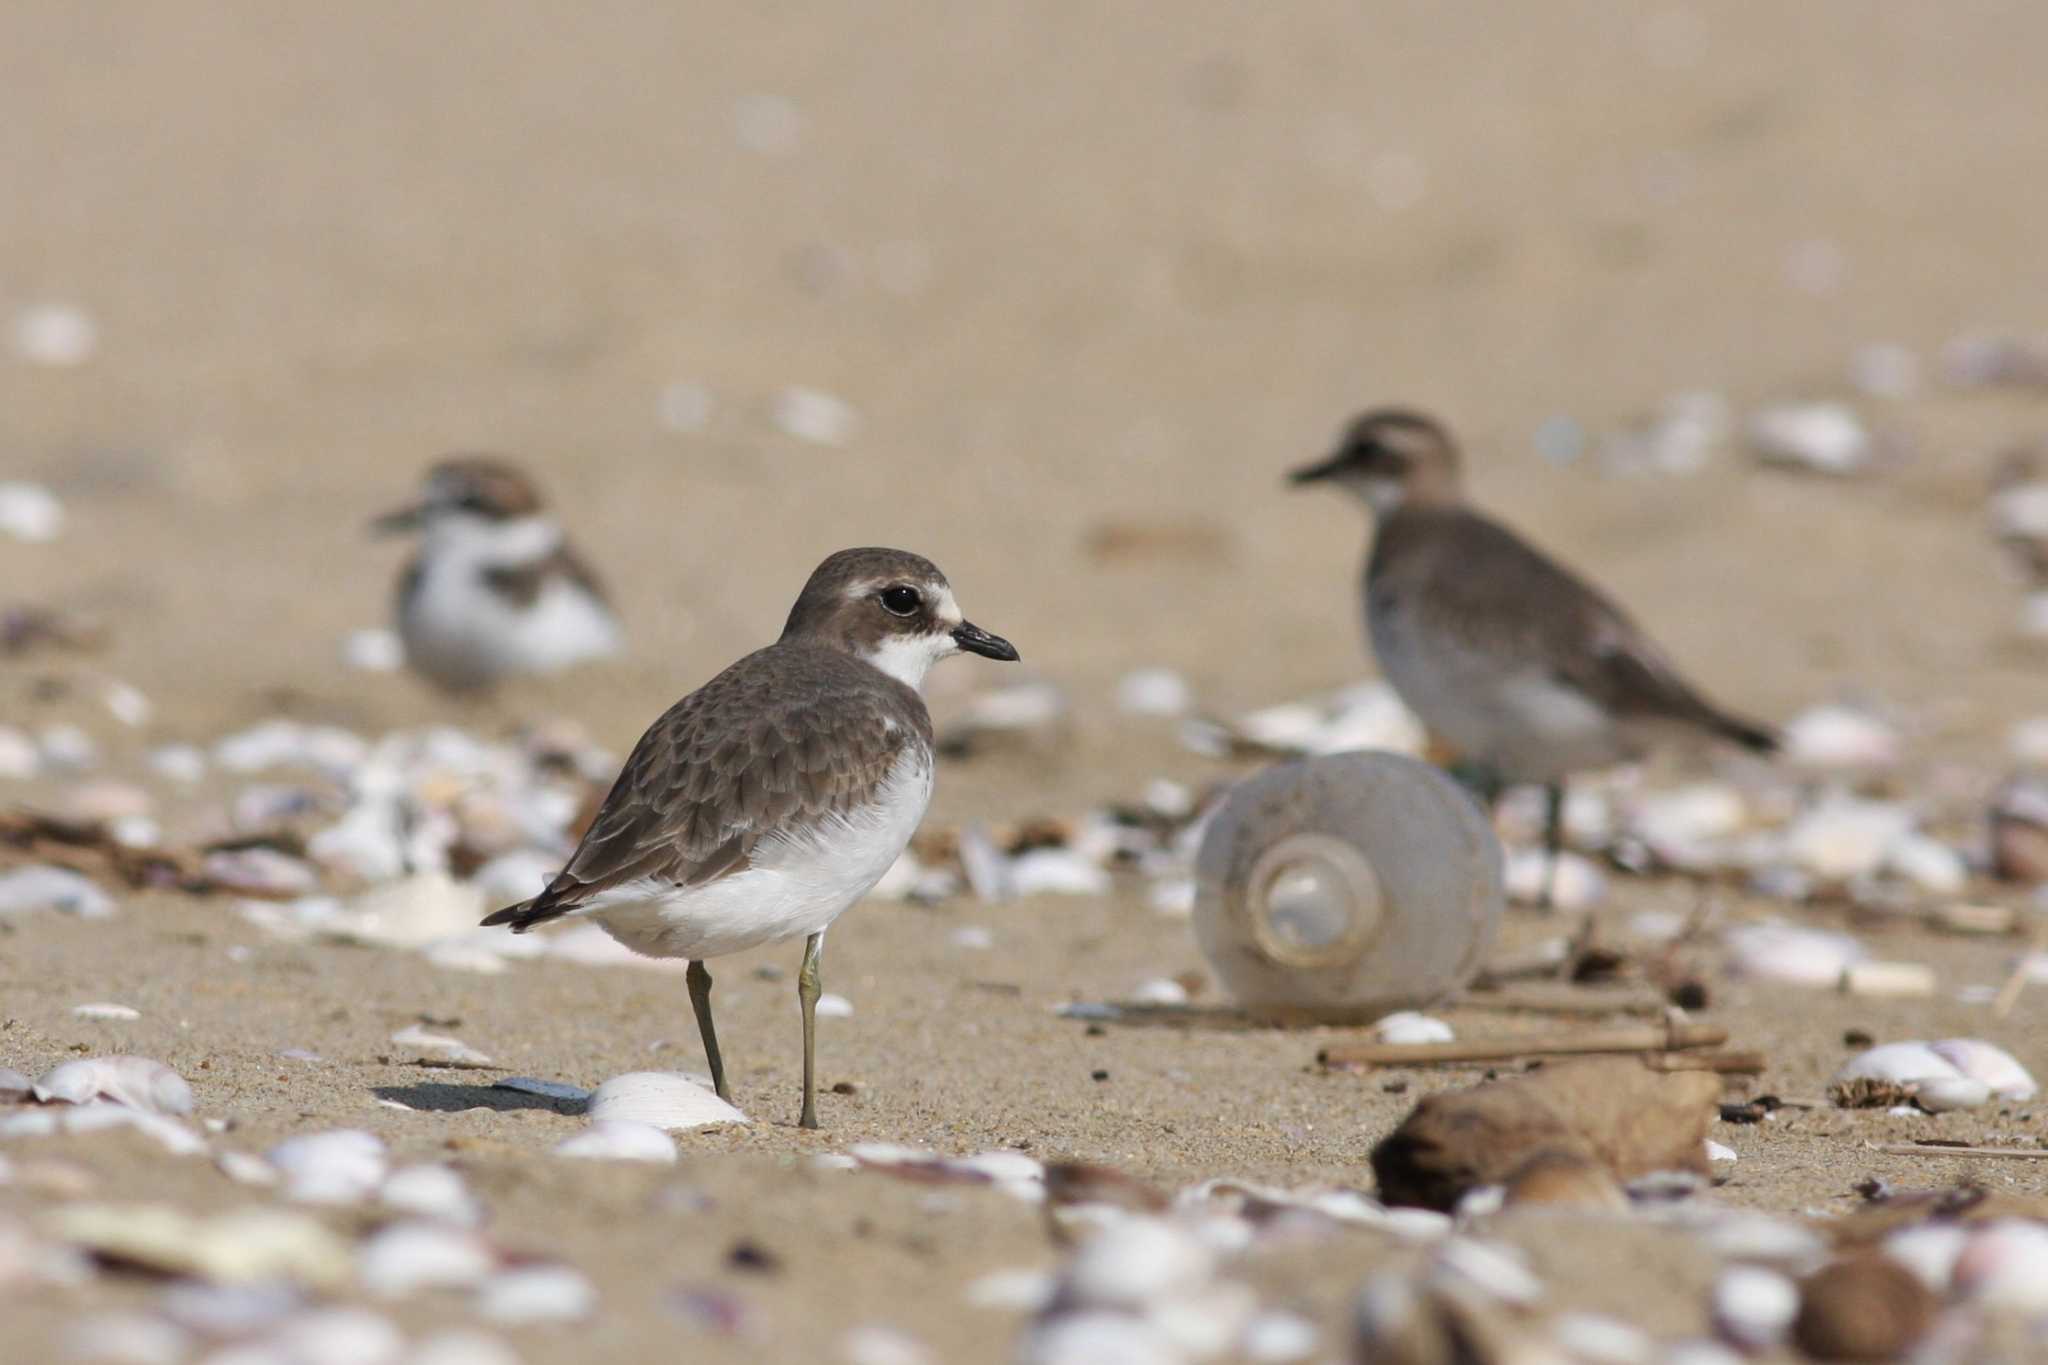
(787, 736)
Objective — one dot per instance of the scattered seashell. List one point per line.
(2004, 1267)
(832, 1006)
(618, 1140)
(815, 416)
(432, 1191)
(333, 1336)
(1160, 990)
(1172, 897)
(1943, 1094)
(1754, 1307)
(451, 1050)
(461, 1346)
(405, 1258)
(374, 650)
(248, 1246)
(1573, 881)
(260, 872)
(1928, 865)
(1098, 1338)
(1901, 1064)
(667, 1100)
(1821, 438)
(973, 937)
(1276, 1337)
(536, 1293)
(340, 1166)
(136, 1082)
(1600, 1340)
(1495, 1270)
(1012, 1291)
(1889, 979)
(39, 887)
(1056, 872)
(1989, 1063)
(873, 1344)
(230, 1310)
(128, 1339)
(68, 748)
(20, 759)
(1776, 951)
(1836, 738)
(178, 762)
(1154, 692)
(1130, 1264)
(105, 1010)
(1844, 838)
(245, 1169)
(413, 913)
(1983, 359)
(14, 1086)
(1680, 438)
(1930, 1250)
(1410, 1026)
(56, 334)
(30, 512)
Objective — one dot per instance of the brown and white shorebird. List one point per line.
(495, 589)
(1525, 669)
(767, 802)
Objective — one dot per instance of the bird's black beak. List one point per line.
(401, 521)
(1317, 472)
(975, 640)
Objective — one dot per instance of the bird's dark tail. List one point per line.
(526, 914)
(1757, 738)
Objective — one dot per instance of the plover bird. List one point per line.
(495, 588)
(1525, 669)
(764, 804)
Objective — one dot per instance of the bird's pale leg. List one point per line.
(1553, 840)
(807, 998)
(700, 1000)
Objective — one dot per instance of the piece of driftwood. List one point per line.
(1559, 999)
(1941, 1149)
(1722, 1063)
(1670, 1036)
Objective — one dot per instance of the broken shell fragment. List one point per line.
(536, 1293)
(667, 1100)
(431, 1191)
(407, 1257)
(619, 1140)
(137, 1082)
(340, 1166)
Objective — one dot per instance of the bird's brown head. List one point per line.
(891, 608)
(479, 489)
(1391, 457)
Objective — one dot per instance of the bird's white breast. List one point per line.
(462, 633)
(800, 880)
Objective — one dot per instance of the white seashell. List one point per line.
(1798, 956)
(1839, 737)
(874, 1344)
(1594, 1339)
(68, 748)
(405, 1258)
(1740, 1235)
(1369, 716)
(1136, 1261)
(1098, 1338)
(1173, 897)
(1927, 864)
(442, 1046)
(245, 1169)
(1719, 1153)
(1657, 926)
(667, 1100)
(99, 1116)
(1409, 1026)
(37, 887)
(515, 876)
(1823, 438)
(260, 871)
(1906, 1063)
(373, 650)
(1576, 883)
(30, 512)
(1154, 692)
(56, 334)
(337, 1336)
(126, 702)
(232, 1310)
(411, 913)
(178, 762)
(1989, 1063)
(1895, 979)
(2028, 741)
(340, 1166)
(815, 416)
(832, 1006)
(106, 1010)
(1160, 990)
(1481, 1201)
(1418, 1225)
(368, 842)
(248, 1246)
(137, 1082)
(1844, 837)
(461, 1346)
(617, 1140)
(536, 1293)
(1685, 827)
(20, 759)
(469, 953)
(1207, 1322)
(1012, 1291)
(1941, 1095)
(588, 945)
(14, 1086)
(128, 1339)
(1288, 726)
(973, 937)
(1754, 1307)
(1018, 706)
(1015, 1174)
(2004, 1267)
(1498, 1271)
(1930, 1250)
(432, 1191)
(1277, 1337)
(1056, 872)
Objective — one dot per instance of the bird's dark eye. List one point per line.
(901, 600)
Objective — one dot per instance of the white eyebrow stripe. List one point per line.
(946, 609)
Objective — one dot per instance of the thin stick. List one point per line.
(1726, 1063)
(1556, 999)
(2009, 994)
(1672, 1036)
(1989, 1153)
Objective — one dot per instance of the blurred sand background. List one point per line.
(1076, 268)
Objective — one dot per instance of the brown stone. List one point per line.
(1866, 1307)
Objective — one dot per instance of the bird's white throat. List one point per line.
(907, 658)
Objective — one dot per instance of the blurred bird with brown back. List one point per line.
(495, 589)
(766, 803)
(1510, 658)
